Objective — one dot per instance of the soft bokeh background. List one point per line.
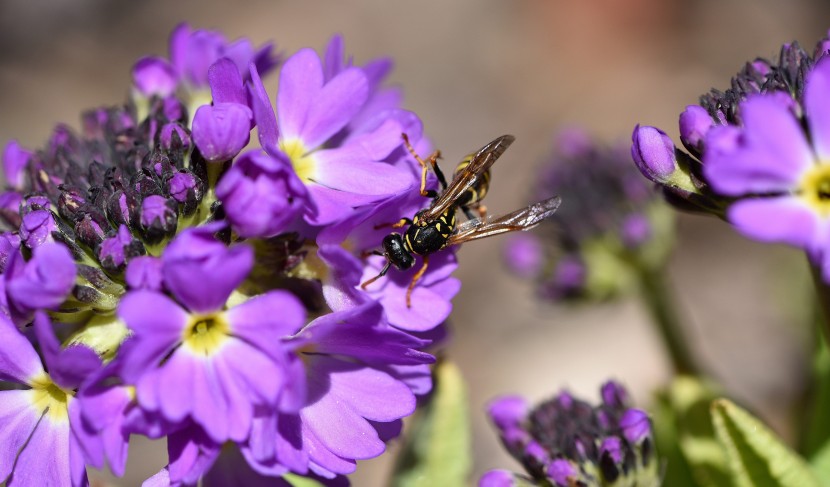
(475, 69)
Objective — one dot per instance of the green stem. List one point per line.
(823, 297)
(658, 298)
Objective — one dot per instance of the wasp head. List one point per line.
(396, 251)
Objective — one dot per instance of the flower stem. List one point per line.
(659, 300)
(823, 297)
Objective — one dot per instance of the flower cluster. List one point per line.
(757, 153)
(159, 279)
(611, 223)
(567, 442)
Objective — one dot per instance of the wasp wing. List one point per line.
(480, 163)
(523, 219)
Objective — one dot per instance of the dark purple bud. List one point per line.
(221, 131)
(15, 160)
(184, 185)
(694, 123)
(42, 283)
(612, 446)
(120, 205)
(653, 152)
(497, 478)
(524, 255)
(261, 194)
(37, 227)
(565, 400)
(562, 472)
(144, 273)
(9, 244)
(635, 231)
(91, 229)
(569, 276)
(174, 137)
(159, 217)
(614, 394)
(154, 76)
(115, 251)
(635, 425)
(69, 202)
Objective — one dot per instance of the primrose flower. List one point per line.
(183, 287)
(757, 153)
(566, 441)
(610, 225)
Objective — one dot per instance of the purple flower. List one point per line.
(39, 447)
(523, 254)
(133, 237)
(566, 441)
(311, 111)
(261, 194)
(185, 354)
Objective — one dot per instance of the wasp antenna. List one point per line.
(382, 273)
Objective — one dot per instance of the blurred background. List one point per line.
(472, 70)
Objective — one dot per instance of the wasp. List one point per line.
(434, 228)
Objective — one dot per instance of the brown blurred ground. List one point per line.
(474, 69)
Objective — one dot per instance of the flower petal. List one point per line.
(46, 458)
(784, 219)
(336, 104)
(768, 155)
(226, 83)
(266, 120)
(817, 107)
(18, 360)
(262, 320)
(301, 79)
(18, 419)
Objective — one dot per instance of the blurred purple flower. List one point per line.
(566, 441)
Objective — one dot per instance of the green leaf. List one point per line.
(756, 457)
(820, 463)
(298, 481)
(685, 436)
(437, 452)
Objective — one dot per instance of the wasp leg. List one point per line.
(433, 162)
(399, 224)
(382, 273)
(415, 279)
(468, 212)
(482, 211)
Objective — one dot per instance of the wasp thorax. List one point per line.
(395, 250)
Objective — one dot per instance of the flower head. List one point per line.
(183, 289)
(757, 152)
(566, 441)
(611, 223)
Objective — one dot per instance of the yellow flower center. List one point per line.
(48, 397)
(205, 334)
(301, 159)
(815, 188)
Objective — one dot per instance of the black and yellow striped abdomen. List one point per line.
(424, 238)
(479, 190)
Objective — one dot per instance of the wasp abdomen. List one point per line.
(477, 192)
